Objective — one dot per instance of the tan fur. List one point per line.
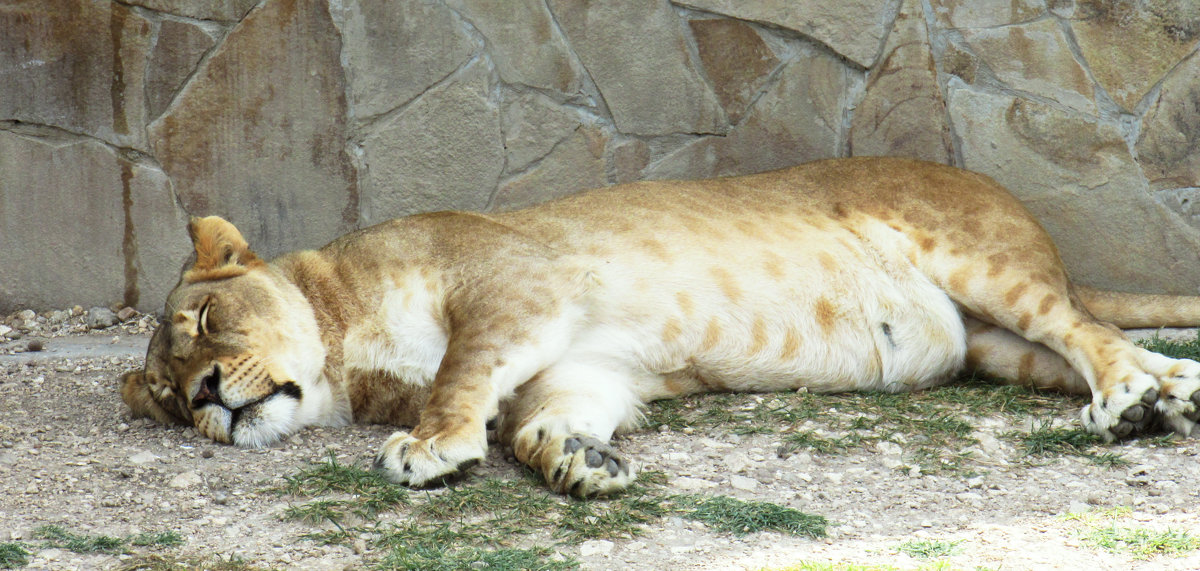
(564, 318)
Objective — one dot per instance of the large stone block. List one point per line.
(798, 119)
(984, 13)
(442, 151)
(853, 28)
(1153, 38)
(902, 113)
(218, 10)
(533, 126)
(1035, 58)
(395, 51)
(524, 42)
(638, 56)
(736, 60)
(1077, 177)
(80, 224)
(77, 65)
(258, 135)
(578, 163)
(176, 54)
(1169, 145)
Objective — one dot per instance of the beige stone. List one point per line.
(76, 65)
(442, 151)
(1169, 145)
(1153, 38)
(394, 51)
(79, 222)
(984, 13)
(736, 60)
(630, 157)
(902, 113)
(533, 126)
(219, 10)
(258, 135)
(852, 28)
(1035, 58)
(797, 120)
(176, 54)
(637, 54)
(1078, 178)
(578, 163)
(524, 43)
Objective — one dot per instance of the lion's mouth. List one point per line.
(245, 420)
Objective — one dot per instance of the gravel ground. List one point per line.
(70, 455)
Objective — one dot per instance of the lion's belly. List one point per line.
(825, 311)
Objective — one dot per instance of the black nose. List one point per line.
(209, 392)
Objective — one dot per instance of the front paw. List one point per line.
(425, 463)
(1126, 410)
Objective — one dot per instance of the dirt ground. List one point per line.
(70, 455)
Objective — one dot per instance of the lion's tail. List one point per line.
(1129, 310)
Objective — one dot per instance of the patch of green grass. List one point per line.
(1141, 542)
(1048, 440)
(157, 539)
(741, 517)
(928, 549)
(13, 555)
(1172, 348)
(57, 536)
(170, 563)
(372, 494)
(480, 524)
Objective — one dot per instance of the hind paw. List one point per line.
(1127, 410)
(1179, 405)
(572, 463)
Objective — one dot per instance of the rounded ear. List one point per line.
(135, 391)
(220, 251)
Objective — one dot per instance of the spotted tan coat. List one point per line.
(560, 321)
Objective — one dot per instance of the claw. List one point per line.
(1122, 429)
(1135, 413)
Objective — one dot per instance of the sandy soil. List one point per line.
(70, 455)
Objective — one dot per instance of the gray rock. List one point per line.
(131, 257)
(578, 163)
(524, 43)
(258, 134)
(1036, 58)
(636, 53)
(395, 51)
(443, 151)
(798, 120)
(852, 28)
(902, 113)
(1169, 145)
(101, 317)
(42, 65)
(1077, 177)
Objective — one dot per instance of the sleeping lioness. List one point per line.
(558, 322)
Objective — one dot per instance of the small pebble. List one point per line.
(35, 346)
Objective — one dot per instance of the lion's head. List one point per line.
(238, 354)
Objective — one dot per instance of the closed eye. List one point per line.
(202, 318)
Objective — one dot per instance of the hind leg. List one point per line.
(1002, 354)
(560, 422)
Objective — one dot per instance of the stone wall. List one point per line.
(302, 119)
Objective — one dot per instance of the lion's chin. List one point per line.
(254, 425)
